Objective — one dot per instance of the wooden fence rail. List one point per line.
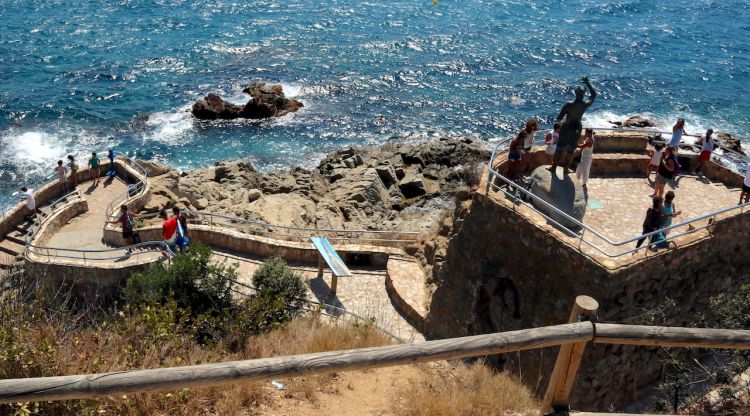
(174, 378)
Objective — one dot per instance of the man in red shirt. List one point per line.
(172, 233)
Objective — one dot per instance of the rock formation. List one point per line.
(377, 188)
(561, 191)
(730, 142)
(634, 121)
(267, 101)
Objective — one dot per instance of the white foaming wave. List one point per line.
(169, 128)
(238, 50)
(694, 124)
(33, 147)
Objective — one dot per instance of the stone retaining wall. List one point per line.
(503, 272)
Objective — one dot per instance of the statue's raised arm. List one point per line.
(592, 91)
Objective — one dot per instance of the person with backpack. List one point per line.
(126, 221)
(651, 223)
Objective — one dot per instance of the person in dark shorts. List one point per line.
(652, 222)
(73, 167)
(126, 221)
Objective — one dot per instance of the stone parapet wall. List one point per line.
(503, 272)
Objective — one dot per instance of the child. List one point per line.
(668, 211)
(551, 142)
(656, 155)
(111, 156)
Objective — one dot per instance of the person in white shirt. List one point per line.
(28, 195)
(62, 176)
(707, 148)
(551, 141)
(745, 194)
(656, 155)
(587, 156)
(528, 143)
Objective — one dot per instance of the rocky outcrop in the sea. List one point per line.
(726, 140)
(388, 187)
(267, 101)
(634, 121)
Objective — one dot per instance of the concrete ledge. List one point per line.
(406, 287)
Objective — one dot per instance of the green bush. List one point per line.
(192, 281)
(281, 292)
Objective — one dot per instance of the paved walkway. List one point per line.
(617, 206)
(363, 294)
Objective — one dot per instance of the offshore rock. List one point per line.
(559, 190)
(267, 101)
(730, 142)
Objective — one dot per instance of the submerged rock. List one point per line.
(267, 101)
(634, 121)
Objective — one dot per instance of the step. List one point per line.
(406, 285)
(15, 240)
(9, 251)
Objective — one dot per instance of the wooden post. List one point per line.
(568, 360)
(320, 266)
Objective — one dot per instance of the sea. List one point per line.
(80, 75)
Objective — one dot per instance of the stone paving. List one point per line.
(624, 203)
(363, 294)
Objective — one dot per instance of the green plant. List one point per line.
(192, 280)
(280, 290)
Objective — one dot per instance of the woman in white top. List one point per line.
(551, 142)
(706, 149)
(587, 156)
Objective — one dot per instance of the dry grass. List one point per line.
(466, 390)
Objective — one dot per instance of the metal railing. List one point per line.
(102, 255)
(133, 190)
(301, 233)
(513, 191)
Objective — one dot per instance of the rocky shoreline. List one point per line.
(402, 187)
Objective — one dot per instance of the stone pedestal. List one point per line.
(561, 190)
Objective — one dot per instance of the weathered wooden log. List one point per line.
(664, 336)
(174, 378)
(568, 359)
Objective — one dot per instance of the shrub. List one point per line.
(192, 280)
(281, 292)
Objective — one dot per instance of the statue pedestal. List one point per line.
(560, 190)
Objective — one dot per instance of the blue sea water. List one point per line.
(82, 75)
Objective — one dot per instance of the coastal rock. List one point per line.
(559, 190)
(154, 168)
(412, 185)
(730, 142)
(291, 209)
(638, 121)
(267, 101)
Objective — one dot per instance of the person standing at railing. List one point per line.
(62, 178)
(515, 151)
(126, 221)
(668, 211)
(587, 157)
(111, 156)
(678, 130)
(551, 141)
(94, 167)
(28, 195)
(665, 172)
(528, 143)
(651, 223)
(707, 148)
(745, 194)
(656, 155)
(73, 166)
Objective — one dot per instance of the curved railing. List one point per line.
(101, 255)
(134, 189)
(514, 191)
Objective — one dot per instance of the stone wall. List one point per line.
(503, 272)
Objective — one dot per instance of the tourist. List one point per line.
(514, 155)
(61, 177)
(656, 155)
(111, 156)
(551, 142)
(28, 195)
(172, 233)
(745, 194)
(73, 166)
(94, 167)
(665, 173)
(668, 211)
(587, 156)
(707, 147)
(678, 130)
(528, 143)
(126, 221)
(651, 223)
(181, 218)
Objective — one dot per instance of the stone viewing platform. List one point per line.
(618, 195)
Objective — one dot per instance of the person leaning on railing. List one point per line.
(515, 155)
